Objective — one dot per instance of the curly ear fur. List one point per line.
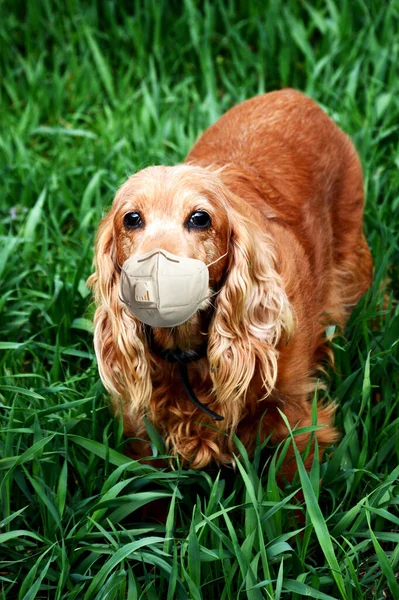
(252, 315)
(118, 343)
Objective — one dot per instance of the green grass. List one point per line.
(90, 93)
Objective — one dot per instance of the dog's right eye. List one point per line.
(132, 220)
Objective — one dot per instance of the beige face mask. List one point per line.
(162, 289)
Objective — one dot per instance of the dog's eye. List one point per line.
(132, 220)
(199, 220)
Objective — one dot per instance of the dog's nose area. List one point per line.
(162, 289)
(143, 251)
(171, 245)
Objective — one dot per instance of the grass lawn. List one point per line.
(90, 93)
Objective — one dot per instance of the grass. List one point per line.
(90, 93)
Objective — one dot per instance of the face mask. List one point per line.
(162, 289)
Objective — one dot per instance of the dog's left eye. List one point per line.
(199, 220)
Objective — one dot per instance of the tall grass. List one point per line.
(91, 92)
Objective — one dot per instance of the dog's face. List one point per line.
(176, 209)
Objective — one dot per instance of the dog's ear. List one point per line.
(118, 338)
(252, 315)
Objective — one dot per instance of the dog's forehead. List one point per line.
(166, 189)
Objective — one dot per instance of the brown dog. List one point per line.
(276, 183)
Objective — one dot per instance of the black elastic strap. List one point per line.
(184, 358)
(176, 355)
(191, 394)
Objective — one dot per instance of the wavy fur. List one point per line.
(283, 186)
(118, 342)
(253, 313)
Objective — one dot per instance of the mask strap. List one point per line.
(210, 296)
(191, 394)
(217, 260)
(214, 293)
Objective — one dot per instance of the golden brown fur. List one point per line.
(284, 188)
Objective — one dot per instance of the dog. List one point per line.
(272, 195)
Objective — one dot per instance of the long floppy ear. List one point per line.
(252, 315)
(118, 341)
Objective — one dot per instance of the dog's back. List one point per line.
(307, 172)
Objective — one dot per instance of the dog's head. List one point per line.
(189, 211)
